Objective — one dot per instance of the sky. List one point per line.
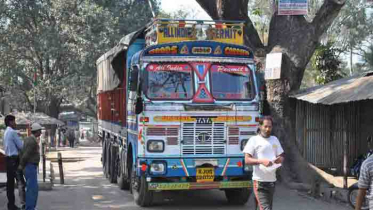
(172, 5)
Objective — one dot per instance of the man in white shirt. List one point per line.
(12, 146)
(265, 153)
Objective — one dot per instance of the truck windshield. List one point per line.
(169, 81)
(232, 82)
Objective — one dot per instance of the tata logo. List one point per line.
(203, 137)
(203, 120)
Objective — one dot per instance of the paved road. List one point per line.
(86, 189)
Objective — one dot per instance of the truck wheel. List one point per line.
(142, 196)
(123, 183)
(103, 159)
(113, 165)
(238, 196)
(107, 160)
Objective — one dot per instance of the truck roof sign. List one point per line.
(167, 31)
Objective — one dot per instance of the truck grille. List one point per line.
(202, 139)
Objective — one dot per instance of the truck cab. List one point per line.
(191, 104)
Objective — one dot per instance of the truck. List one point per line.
(177, 102)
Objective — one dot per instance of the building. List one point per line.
(334, 121)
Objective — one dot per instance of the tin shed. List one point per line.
(332, 117)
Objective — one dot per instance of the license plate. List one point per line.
(205, 174)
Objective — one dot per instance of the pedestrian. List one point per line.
(71, 137)
(77, 135)
(365, 183)
(12, 146)
(265, 153)
(29, 162)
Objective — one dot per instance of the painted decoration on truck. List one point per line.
(232, 69)
(203, 95)
(169, 67)
(196, 185)
(202, 119)
(167, 50)
(201, 69)
(200, 48)
(170, 34)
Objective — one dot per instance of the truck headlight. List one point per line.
(158, 167)
(155, 146)
(243, 143)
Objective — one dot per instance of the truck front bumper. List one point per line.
(198, 186)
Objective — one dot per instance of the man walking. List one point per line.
(265, 153)
(29, 162)
(12, 145)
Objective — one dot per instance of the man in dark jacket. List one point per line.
(29, 163)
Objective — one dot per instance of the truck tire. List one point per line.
(238, 196)
(139, 187)
(113, 164)
(103, 157)
(107, 162)
(123, 183)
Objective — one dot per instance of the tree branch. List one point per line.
(234, 11)
(210, 6)
(325, 16)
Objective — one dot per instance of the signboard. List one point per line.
(273, 66)
(168, 31)
(292, 7)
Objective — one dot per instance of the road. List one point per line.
(86, 189)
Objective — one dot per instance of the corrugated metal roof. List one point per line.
(355, 88)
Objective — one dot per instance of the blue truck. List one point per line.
(177, 101)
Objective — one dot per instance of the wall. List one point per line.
(366, 123)
(321, 131)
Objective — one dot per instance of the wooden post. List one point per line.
(43, 156)
(62, 180)
(345, 151)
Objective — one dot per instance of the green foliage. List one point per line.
(61, 39)
(368, 57)
(327, 64)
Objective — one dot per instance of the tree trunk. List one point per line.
(53, 108)
(296, 39)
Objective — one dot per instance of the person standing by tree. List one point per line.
(71, 137)
(12, 146)
(265, 153)
(29, 162)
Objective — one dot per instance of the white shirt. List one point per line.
(263, 148)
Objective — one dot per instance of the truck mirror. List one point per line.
(133, 79)
(139, 105)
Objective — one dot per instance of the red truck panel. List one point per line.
(111, 106)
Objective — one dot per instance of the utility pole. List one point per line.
(34, 99)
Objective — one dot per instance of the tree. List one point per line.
(327, 64)
(61, 40)
(351, 29)
(368, 57)
(297, 38)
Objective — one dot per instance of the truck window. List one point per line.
(232, 82)
(169, 81)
